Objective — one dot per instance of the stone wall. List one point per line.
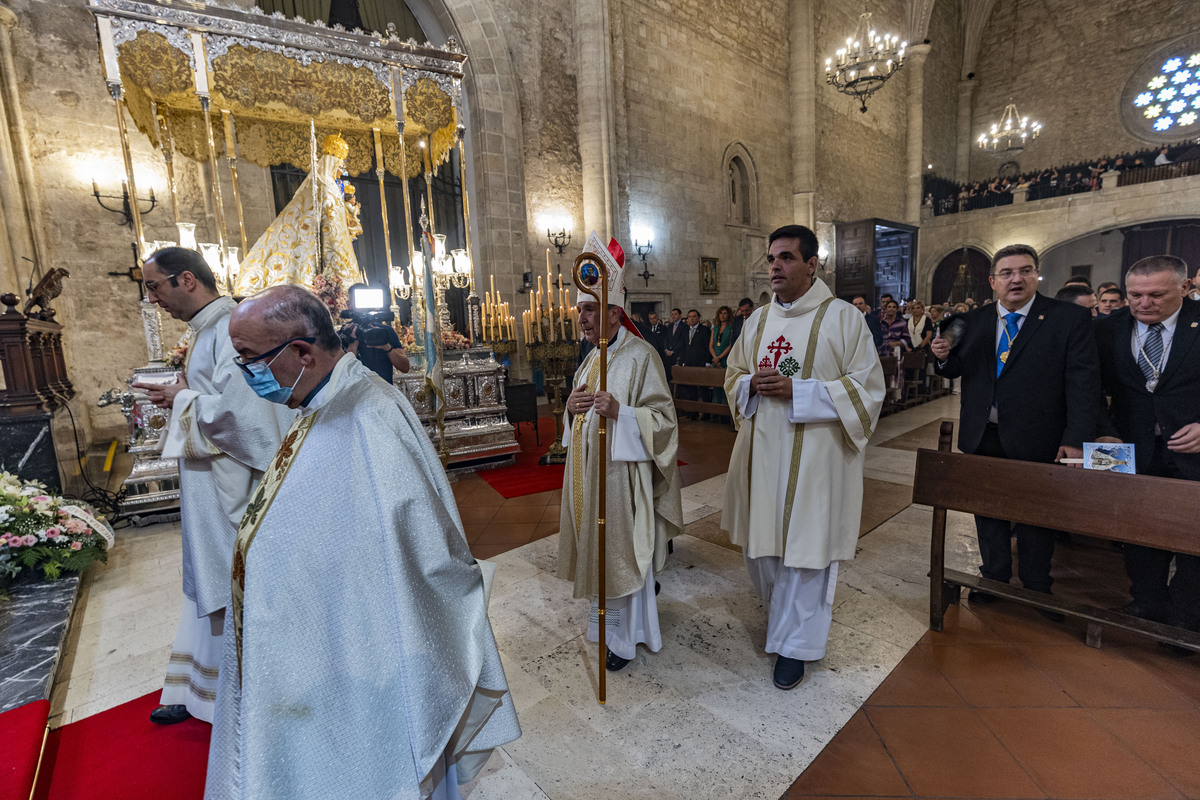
(699, 76)
(1072, 62)
(941, 89)
(861, 160)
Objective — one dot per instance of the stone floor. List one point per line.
(700, 718)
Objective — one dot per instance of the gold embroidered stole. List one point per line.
(810, 356)
(268, 487)
(577, 424)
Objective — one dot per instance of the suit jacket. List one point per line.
(675, 340)
(873, 325)
(695, 352)
(1174, 403)
(654, 336)
(1049, 392)
(738, 322)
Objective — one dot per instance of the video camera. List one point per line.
(368, 315)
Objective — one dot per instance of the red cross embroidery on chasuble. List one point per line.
(779, 348)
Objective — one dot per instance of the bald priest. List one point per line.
(360, 662)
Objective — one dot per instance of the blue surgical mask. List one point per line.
(264, 384)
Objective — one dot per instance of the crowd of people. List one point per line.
(946, 197)
(277, 649)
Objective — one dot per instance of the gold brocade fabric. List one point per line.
(256, 510)
(287, 250)
(248, 80)
(593, 381)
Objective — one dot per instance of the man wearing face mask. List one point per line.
(224, 436)
(359, 661)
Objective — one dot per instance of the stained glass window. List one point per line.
(1168, 93)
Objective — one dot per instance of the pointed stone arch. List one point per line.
(740, 186)
(492, 112)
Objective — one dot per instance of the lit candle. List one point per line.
(201, 63)
(108, 50)
(547, 264)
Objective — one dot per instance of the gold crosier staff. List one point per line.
(587, 284)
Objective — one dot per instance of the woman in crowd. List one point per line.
(720, 344)
(895, 341)
(920, 326)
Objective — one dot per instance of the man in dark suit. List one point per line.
(744, 310)
(873, 324)
(1030, 391)
(676, 338)
(1150, 367)
(695, 353)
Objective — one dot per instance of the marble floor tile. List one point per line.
(501, 779)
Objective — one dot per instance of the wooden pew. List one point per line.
(704, 377)
(1138, 509)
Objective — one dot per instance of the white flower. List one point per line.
(5, 514)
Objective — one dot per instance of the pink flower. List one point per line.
(41, 498)
(76, 545)
(53, 533)
(77, 526)
(29, 540)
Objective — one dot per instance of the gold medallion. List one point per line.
(1004, 357)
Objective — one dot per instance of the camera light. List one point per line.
(365, 298)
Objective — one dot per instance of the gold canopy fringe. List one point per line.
(273, 97)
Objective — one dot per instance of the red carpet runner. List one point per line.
(526, 476)
(120, 754)
(21, 730)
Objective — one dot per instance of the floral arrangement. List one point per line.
(451, 340)
(331, 291)
(177, 358)
(42, 531)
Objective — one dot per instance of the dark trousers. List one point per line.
(1149, 567)
(1035, 546)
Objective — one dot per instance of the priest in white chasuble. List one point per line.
(224, 437)
(805, 385)
(359, 661)
(643, 510)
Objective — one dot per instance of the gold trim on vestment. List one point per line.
(864, 418)
(577, 449)
(256, 511)
(810, 357)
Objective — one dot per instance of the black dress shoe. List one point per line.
(788, 672)
(978, 598)
(614, 663)
(169, 715)
(1142, 609)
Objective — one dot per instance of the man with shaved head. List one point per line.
(359, 661)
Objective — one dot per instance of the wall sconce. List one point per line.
(124, 210)
(642, 245)
(526, 282)
(822, 257)
(558, 230)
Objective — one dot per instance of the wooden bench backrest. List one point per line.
(698, 376)
(1157, 512)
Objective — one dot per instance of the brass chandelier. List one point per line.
(866, 62)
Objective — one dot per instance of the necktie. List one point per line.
(1006, 340)
(1150, 354)
(691, 333)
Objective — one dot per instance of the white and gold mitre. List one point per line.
(616, 270)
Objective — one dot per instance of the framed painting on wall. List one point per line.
(710, 282)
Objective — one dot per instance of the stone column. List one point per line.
(597, 128)
(802, 80)
(914, 64)
(966, 103)
(14, 239)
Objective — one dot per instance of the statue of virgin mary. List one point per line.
(290, 250)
